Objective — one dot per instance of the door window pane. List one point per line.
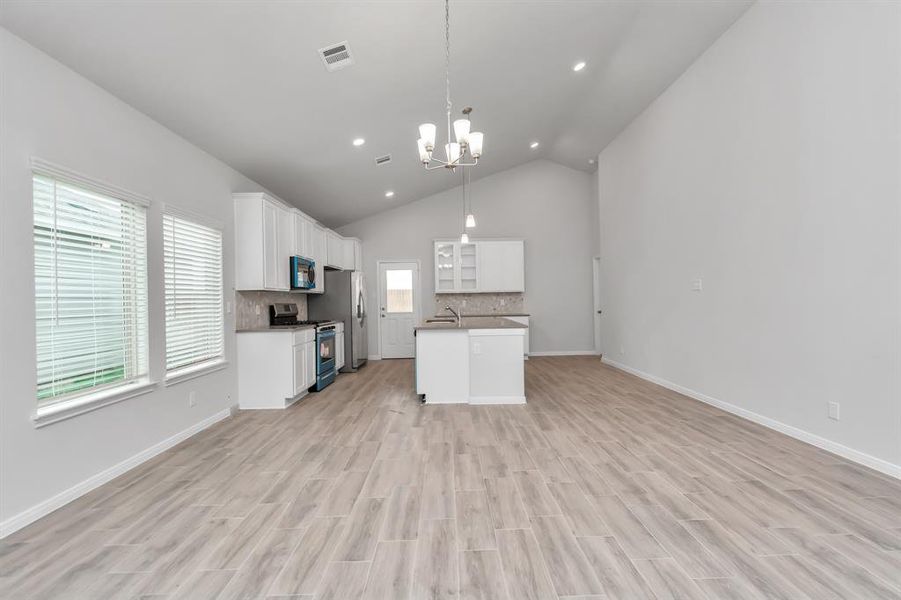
(399, 286)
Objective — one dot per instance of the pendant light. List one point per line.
(470, 218)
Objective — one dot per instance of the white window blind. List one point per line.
(90, 262)
(195, 327)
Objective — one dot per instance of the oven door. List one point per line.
(325, 353)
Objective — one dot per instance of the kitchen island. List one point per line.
(476, 360)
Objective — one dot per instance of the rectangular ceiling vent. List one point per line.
(336, 56)
(381, 160)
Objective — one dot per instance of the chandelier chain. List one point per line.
(447, 53)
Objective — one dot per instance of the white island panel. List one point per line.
(496, 368)
(442, 366)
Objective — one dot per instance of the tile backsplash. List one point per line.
(481, 304)
(248, 304)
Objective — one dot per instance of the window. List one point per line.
(90, 267)
(195, 325)
(399, 288)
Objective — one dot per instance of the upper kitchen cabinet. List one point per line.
(264, 236)
(303, 235)
(334, 256)
(341, 252)
(479, 266)
(501, 266)
(358, 254)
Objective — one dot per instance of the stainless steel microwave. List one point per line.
(303, 273)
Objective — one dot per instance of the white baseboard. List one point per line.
(374, 357)
(497, 400)
(878, 464)
(565, 353)
(46, 507)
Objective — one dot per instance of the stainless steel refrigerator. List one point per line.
(344, 300)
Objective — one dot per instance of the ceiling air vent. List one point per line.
(336, 56)
(381, 160)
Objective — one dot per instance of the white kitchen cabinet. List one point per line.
(320, 249)
(303, 235)
(339, 346)
(501, 266)
(358, 255)
(285, 248)
(334, 256)
(479, 266)
(349, 262)
(456, 267)
(275, 368)
(270, 246)
(264, 235)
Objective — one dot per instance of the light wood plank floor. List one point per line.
(603, 486)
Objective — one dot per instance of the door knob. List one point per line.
(600, 311)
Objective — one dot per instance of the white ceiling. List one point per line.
(243, 80)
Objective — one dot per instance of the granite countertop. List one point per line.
(497, 314)
(469, 322)
(280, 328)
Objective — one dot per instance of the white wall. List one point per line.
(772, 170)
(548, 205)
(50, 112)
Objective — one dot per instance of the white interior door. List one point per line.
(596, 270)
(398, 307)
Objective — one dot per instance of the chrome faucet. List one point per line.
(453, 312)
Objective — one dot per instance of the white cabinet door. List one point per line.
(445, 267)
(270, 246)
(319, 257)
(348, 262)
(358, 255)
(307, 250)
(303, 237)
(334, 256)
(285, 248)
(309, 364)
(501, 266)
(300, 368)
(339, 349)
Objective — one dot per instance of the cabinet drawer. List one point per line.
(304, 335)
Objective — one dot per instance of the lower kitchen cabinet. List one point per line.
(339, 346)
(275, 368)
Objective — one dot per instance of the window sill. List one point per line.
(186, 373)
(90, 402)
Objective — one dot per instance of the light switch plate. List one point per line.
(833, 410)
(697, 285)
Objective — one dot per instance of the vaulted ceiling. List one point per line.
(243, 80)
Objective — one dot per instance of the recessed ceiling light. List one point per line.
(590, 161)
(533, 145)
(579, 66)
(389, 194)
(359, 141)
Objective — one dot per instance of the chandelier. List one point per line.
(466, 141)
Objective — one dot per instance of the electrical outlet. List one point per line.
(622, 349)
(228, 308)
(833, 410)
(476, 348)
(192, 399)
(257, 308)
(697, 285)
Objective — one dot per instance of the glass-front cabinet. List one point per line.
(445, 260)
(456, 267)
